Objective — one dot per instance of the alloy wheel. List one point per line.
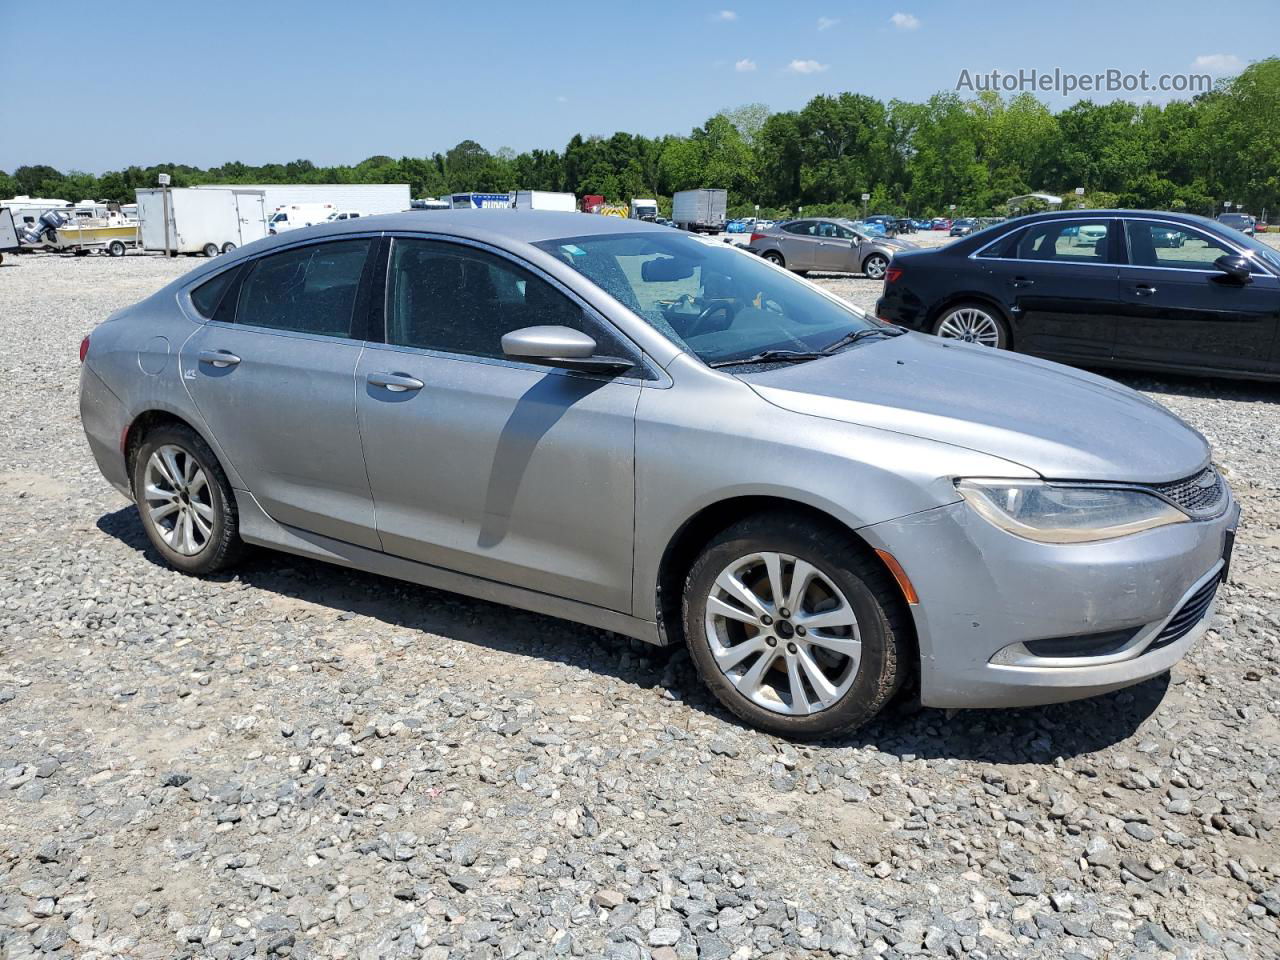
(876, 267)
(178, 499)
(783, 633)
(972, 326)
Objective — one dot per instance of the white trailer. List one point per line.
(544, 200)
(202, 221)
(702, 211)
(369, 198)
(8, 234)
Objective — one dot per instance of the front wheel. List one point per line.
(211, 250)
(972, 323)
(794, 626)
(875, 266)
(185, 502)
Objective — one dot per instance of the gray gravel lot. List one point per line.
(303, 761)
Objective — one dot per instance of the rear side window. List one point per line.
(1061, 241)
(310, 289)
(206, 297)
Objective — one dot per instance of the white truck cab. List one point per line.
(291, 216)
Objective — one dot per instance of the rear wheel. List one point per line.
(875, 266)
(185, 502)
(228, 247)
(774, 257)
(794, 626)
(210, 250)
(972, 323)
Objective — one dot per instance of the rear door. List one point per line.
(273, 375)
(1179, 310)
(1061, 287)
(799, 244)
(491, 467)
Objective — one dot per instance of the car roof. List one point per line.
(497, 226)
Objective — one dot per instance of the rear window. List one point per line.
(206, 297)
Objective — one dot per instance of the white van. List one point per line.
(294, 215)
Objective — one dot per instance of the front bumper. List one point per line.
(984, 593)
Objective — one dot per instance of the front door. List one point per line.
(1179, 310)
(836, 248)
(509, 471)
(1061, 288)
(273, 374)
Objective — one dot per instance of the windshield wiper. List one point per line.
(855, 336)
(771, 356)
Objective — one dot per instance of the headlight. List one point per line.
(1065, 514)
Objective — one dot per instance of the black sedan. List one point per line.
(1126, 288)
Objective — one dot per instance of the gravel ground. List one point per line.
(301, 761)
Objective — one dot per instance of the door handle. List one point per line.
(1144, 289)
(1022, 282)
(395, 382)
(219, 358)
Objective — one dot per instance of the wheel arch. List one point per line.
(696, 532)
(151, 418)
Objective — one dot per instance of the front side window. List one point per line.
(458, 299)
(309, 289)
(1066, 241)
(1178, 248)
(718, 303)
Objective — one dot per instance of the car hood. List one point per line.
(896, 243)
(1064, 424)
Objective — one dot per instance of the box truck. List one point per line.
(543, 200)
(702, 211)
(644, 209)
(202, 220)
(480, 201)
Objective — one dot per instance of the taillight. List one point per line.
(755, 237)
(84, 349)
(891, 275)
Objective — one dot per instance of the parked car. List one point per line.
(940, 223)
(904, 225)
(1239, 221)
(739, 226)
(668, 439)
(963, 227)
(922, 225)
(876, 229)
(820, 244)
(884, 221)
(1104, 287)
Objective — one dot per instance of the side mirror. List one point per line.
(1235, 267)
(560, 347)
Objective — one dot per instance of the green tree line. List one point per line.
(916, 158)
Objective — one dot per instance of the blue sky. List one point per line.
(335, 81)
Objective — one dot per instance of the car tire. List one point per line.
(875, 266)
(228, 247)
(210, 250)
(185, 503)
(116, 248)
(839, 571)
(774, 257)
(973, 322)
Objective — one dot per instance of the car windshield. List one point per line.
(1259, 249)
(717, 302)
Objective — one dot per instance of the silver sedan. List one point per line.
(630, 427)
(831, 245)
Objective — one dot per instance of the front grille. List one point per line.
(1191, 613)
(1202, 495)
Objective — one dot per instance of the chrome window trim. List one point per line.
(656, 376)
